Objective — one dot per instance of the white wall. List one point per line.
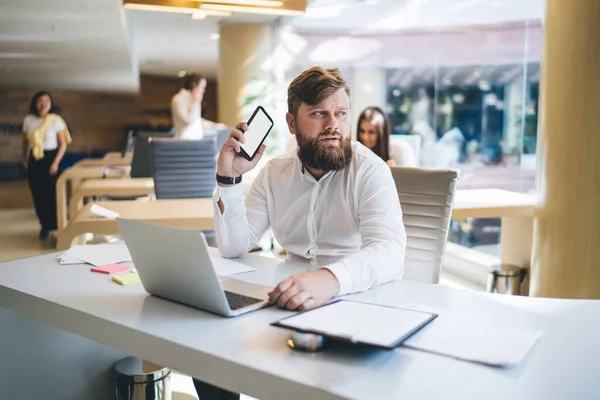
(368, 89)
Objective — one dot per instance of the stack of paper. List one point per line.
(98, 254)
(473, 338)
(227, 267)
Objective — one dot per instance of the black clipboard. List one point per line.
(422, 318)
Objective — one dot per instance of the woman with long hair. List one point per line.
(44, 144)
(373, 131)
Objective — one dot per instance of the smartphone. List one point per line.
(259, 126)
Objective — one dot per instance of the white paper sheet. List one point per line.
(65, 259)
(98, 254)
(103, 212)
(360, 322)
(227, 267)
(468, 337)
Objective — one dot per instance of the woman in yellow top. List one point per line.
(44, 144)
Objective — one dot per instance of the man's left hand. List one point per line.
(305, 290)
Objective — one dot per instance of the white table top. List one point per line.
(491, 203)
(246, 354)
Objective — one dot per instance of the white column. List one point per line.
(566, 256)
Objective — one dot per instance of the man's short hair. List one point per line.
(314, 85)
(191, 81)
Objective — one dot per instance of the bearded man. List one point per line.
(333, 202)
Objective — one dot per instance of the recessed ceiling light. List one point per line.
(150, 7)
(218, 13)
(181, 73)
(215, 36)
(202, 14)
(251, 10)
(258, 3)
(199, 15)
(33, 55)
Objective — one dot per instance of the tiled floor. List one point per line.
(15, 195)
(19, 235)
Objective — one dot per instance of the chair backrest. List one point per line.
(184, 169)
(426, 197)
(141, 166)
(129, 142)
(220, 134)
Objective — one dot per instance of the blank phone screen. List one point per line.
(258, 128)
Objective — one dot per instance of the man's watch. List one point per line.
(229, 180)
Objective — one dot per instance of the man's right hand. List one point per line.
(196, 94)
(231, 163)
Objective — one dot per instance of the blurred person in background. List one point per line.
(44, 144)
(186, 109)
(373, 131)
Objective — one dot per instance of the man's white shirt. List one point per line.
(349, 221)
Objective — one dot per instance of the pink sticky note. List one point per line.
(110, 268)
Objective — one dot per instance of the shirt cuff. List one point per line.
(340, 271)
(227, 194)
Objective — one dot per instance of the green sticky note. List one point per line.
(127, 279)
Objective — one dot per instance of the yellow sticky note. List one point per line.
(127, 279)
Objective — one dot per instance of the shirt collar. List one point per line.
(307, 175)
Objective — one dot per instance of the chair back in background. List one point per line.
(221, 135)
(129, 142)
(184, 169)
(426, 197)
(141, 166)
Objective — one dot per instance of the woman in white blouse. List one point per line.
(44, 144)
(374, 133)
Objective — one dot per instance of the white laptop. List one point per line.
(176, 264)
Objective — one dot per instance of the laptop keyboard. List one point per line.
(237, 301)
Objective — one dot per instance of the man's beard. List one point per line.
(320, 155)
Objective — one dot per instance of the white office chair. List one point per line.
(426, 197)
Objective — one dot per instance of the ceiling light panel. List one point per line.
(257, 3)
(251, 10)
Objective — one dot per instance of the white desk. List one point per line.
(181, 213)
(516, 211)
(74, 176)
(245, 354)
